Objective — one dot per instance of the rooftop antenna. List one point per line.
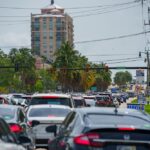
(52, 2)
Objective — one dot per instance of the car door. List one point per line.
(65, 131)
(60, 142)
(21, 119)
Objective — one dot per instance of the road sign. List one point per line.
(141, 99)
(136, 106)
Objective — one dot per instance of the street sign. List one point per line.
(136, 106)
(141, 99)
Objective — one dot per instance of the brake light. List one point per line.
(16, 128)
(29, 123)
(126, 128)
(88, 140)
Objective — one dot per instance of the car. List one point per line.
(10, 146)
(15, 117)
(3, 100)
(45, 115)
(90, 100)
(102, 128)
(52, 98)
(16, 98)
(8, 140)
(79, 101)
(103, 100)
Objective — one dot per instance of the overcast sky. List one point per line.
(117, 20)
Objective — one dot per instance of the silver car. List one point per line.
(46, 115)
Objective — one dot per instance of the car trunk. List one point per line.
(121, 138)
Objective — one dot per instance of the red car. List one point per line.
(103, 100)
(3, 100)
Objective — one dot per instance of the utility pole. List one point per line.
(148, 73)
(148, 70)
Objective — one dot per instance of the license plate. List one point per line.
(126, 148)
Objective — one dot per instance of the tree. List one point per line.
(66, 57)
(26, 68)
(121, 78)
(103, 78)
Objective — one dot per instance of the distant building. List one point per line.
(49, 29)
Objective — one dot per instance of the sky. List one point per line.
(102, 19)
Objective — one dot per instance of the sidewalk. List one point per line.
(124, 105)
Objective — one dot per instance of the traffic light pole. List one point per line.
(148, 73)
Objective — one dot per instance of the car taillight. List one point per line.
(15, 128)
(88, 140)
(29, 123)
(126, 129)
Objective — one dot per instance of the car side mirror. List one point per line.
(24, 140)
(35, 123)
(52, 129)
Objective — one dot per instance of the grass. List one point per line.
(147, 107)
(134, 101)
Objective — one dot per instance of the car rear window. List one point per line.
(79, 103)
(99, 119)
(7, 113)
(52, 101)
(102, 98)
(48, 112)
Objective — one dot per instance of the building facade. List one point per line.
(49, 29)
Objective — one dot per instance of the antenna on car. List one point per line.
(116, 110)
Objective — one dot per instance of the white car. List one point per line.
(46, 115)
(52, 99)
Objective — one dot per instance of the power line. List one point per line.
(79, 7)
(112, 38)
(109, 55)
(102, 7)
(98, 13)
(124, 61)
(14, 20)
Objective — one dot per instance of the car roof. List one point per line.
(51, 94)
(111, 111)
(49, 106)
(9, 106)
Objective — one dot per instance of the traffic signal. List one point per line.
(140, 55)
(16, 67)
(87, 68)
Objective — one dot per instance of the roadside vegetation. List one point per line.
(26, 78)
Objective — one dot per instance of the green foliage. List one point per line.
(147, 108)
(27, 79)
(122, 78)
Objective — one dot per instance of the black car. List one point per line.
(102, 129)
(15, 118)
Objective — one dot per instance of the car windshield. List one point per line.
(54, 101)
(79, 103)
(99, 119)
(7, 113)
(48, 112)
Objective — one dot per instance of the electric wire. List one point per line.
(112, 38)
